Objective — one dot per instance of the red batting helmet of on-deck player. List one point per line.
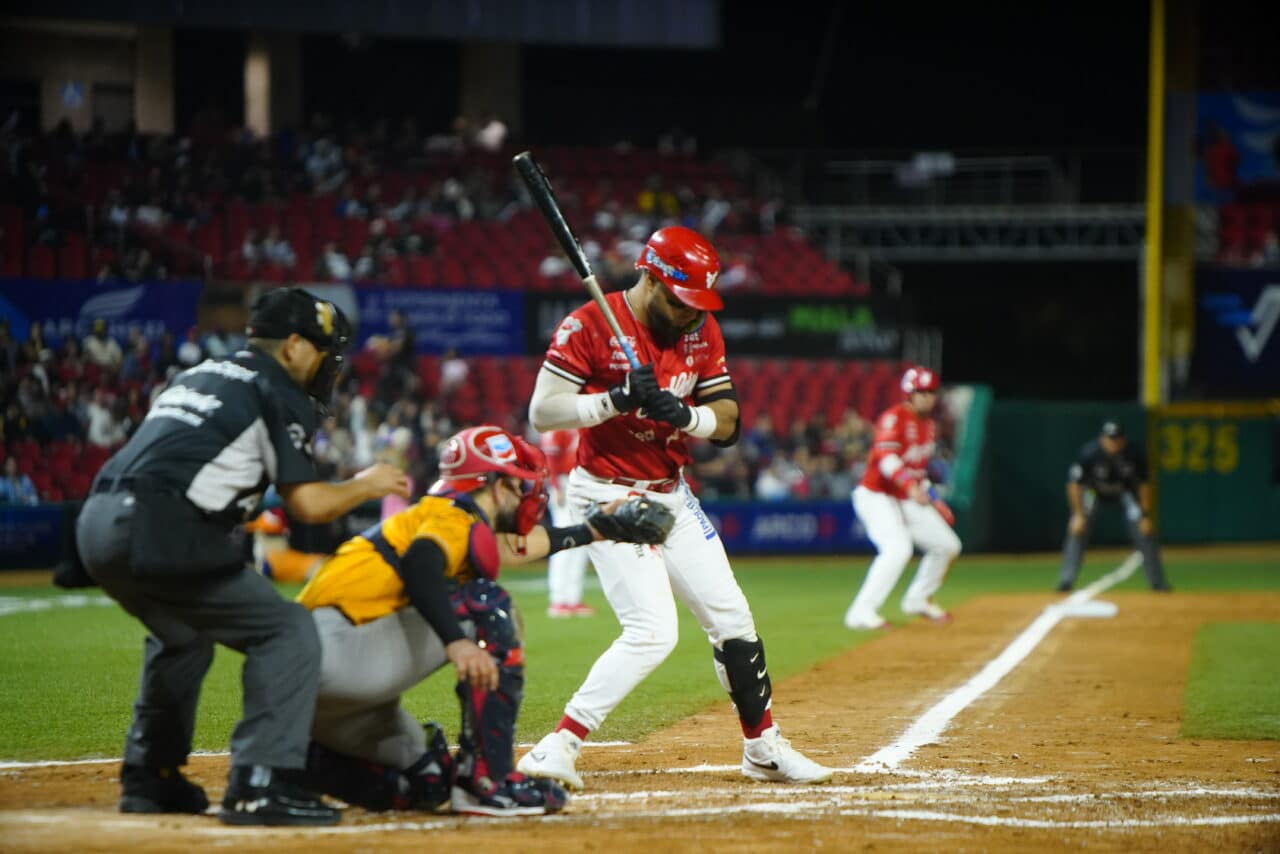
(919, 378)
(686, 263)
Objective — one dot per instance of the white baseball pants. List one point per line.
(639, 582)
(895, 526)
(566, 569)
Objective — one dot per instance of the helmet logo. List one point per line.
(668, 270)
(324, 317)
(711, 278)
(452, 453)
(500, 447)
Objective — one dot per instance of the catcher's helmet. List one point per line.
(685, 262)
(473, 456)
(919, 378)
(281, 312)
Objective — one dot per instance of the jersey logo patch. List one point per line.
(567, 328)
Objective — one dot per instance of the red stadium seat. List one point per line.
(41, 263)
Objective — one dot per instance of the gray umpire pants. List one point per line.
(1073, 548)
(364, 671)
(186, 616)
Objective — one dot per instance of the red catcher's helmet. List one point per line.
(472, 456)
(919, 378)
(685, 262)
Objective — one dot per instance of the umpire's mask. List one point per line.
(281, 312)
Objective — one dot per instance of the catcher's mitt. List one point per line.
(637, 520)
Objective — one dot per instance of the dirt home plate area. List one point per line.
(1075, 747)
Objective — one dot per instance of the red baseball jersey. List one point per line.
(561, 448)
(584, 351)
(911, 438)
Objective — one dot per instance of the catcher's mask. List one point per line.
(474, 457)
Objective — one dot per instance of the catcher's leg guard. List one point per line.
(360, 783)
(742, 671)
(486, 744)
(432, 775)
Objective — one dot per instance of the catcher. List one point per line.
(397, 602)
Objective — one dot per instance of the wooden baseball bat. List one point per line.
(543, 196)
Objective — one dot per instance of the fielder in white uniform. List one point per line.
(567, 569)
(634, 444)
(895, 504)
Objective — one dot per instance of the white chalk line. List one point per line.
(927, 728)
(15, 765)
(1073, 824)
(25, 605)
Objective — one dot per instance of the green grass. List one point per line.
(68, 675)
(1233, 687)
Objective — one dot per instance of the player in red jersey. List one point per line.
(633, 426)
(565, 569)
(899, 510)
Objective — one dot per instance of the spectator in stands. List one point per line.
(492, 135)
(17, 425)
(60, 423)
(453, 373)
(1221, 162)
(166, 355)
(16, 487)
(137, 357)
(277, 250)
(9, 350)
(324, 166)
(775, 481)
(32, 349)
(189, 351)
(656, 201)
(250, 249)
(760, 443)
(101, 349)
(1268, 255)
(151, 214)
(218, 343)
(332, 265)
(106, 428)
(366, 267)
(406, 209)
(348, 206)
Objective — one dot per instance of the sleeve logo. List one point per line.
(567, 328)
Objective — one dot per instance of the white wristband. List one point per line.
(595, 409)
(704, 422)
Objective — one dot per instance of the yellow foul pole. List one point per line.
(1152, 290)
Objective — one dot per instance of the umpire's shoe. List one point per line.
(154, 790)
(257, 794)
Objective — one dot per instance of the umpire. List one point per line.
(1111, 471)
(157, 534)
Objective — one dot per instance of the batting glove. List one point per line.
(638, 384)
(665, 406)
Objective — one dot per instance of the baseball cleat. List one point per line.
(159, 790)
(259, 795)
(865, 622)
(517, 795)
(930, 610)
(553, 758)
(558, 612)
(771, 759)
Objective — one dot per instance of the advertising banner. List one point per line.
(790, 527)
(812, 327)
(68, 308)
(474, 322)
(1238, 146)
(1237, 347)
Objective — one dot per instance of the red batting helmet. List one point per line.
(919, 378)
(472, 456)
(685, 262)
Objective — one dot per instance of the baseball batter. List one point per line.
(634, 425)
(567, 569)
(419, 590)
(896, 506)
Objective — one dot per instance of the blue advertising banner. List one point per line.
(1238, 145)
(791, 527)
(473, 322)
(68, 308)
(1237, 349)
(30, 537)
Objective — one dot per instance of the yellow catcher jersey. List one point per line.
(361, 580)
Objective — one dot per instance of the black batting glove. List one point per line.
(638, 384)
(665, 406)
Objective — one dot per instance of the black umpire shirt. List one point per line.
(1108, 475)
(221, 433)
